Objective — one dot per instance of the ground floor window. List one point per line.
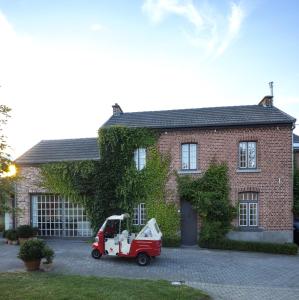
(139, 214)
(58, 217)
(248, 209)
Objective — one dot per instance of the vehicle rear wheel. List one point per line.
(143, 259)
(95, 253)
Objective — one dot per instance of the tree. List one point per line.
(4, 156)
(6, 183)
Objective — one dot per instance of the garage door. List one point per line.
(56, 216)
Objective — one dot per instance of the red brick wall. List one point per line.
(274, 160)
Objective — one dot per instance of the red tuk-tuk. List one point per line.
(114, 239)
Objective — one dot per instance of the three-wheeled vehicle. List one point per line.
(114, 239)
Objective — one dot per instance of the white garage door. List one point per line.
(58, 217)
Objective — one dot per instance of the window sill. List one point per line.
(184, 172)
(249, 170)
(248, 228)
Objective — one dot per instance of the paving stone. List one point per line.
(222, 274)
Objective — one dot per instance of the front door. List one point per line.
(188, 224)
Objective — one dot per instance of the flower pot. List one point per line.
(32, 265)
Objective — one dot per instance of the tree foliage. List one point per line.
(6, 183)
(209, 195)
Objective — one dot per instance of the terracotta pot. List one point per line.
(32, 265)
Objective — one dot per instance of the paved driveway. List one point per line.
(223, 274)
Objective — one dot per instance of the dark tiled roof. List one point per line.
(60, 150)
(203, 117)
(296, 138)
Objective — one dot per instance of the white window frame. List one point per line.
(248, 200)
(191, 157)
(140, 158)
(247, 145)
(139, 217)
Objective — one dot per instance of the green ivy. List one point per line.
(113, 185)
(209, 195)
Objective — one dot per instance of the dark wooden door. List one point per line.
(188, 224)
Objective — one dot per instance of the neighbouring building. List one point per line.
(256, 142)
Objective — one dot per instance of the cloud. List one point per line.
(158, 10)
(96, 27)
(211, 31)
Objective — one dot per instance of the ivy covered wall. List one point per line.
(113, 185)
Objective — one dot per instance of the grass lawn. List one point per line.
(46, 286)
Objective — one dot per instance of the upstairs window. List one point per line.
(139, 215)
(189, 156)
(140, 158)
(248, 209)
(247, 155)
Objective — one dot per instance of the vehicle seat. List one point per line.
(125, 234)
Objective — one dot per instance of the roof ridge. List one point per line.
(186, 109)
(72, 139)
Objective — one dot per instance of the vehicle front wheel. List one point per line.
(95, 253)
(143, 259)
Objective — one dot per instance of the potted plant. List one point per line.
(48, 255)
(31, 252)
(11, 237)
(25, 232)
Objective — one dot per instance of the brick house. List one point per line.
(255, 141)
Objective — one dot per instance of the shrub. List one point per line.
(32, 250)
(226, 244)
(11, 235)
(1, 228)
(171, 241)
(48, 254)
(25, 231)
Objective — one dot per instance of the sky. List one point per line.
(63, 64)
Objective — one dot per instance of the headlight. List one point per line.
(96, 238)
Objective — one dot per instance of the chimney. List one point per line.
(267, 101)
(116, 110)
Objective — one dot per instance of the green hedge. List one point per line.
(171, 242)
(226, 244)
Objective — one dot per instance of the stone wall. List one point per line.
(28, 184)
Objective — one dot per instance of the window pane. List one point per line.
(193, 156)
(185, 156)
(136, 158)
(142, 158)
(252, 214)
(243, 155)
(142, 213)
(243, 214)
(251, 155)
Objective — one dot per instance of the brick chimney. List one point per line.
(116, 110)
(267, 101)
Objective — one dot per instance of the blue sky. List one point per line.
(64, 63)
